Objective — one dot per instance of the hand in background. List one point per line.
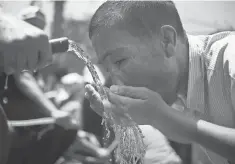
(22, 46)
(65, 120)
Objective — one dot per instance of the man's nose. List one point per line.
(116, 80)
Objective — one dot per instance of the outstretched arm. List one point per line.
(28, 85)
(218, 139)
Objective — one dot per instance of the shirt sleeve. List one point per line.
(233, 91)
(229, 68)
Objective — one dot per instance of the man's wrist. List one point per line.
(183, 126)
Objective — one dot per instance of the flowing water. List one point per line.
(131, 148)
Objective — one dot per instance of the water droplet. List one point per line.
(5, 100)
(6, 83)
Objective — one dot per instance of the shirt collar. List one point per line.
(195, 94)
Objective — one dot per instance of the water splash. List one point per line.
(131, 148)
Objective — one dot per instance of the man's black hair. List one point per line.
(138, 17)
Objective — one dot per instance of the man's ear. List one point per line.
(168, 39)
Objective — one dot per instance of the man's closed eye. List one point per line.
(119, 62)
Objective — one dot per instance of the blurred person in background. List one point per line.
(26, 100)
(20, 50)
(25, 82)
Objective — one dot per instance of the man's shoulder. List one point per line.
(209, 42)
(229, 56)
(219, 53)
(217, 47)
(218, 41)
(210, 48)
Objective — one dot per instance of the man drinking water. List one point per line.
(144, 46)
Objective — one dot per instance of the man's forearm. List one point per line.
(218, 139)
(173, 130)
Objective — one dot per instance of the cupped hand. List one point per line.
(142, 104)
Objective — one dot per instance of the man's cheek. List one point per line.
(122, 77)
(130, 75)
(117, 81)
(134, 76)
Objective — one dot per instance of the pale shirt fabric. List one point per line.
(159, 150)
(211, 86)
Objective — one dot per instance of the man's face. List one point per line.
(136, 62)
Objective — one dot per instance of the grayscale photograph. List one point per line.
(117, 82)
